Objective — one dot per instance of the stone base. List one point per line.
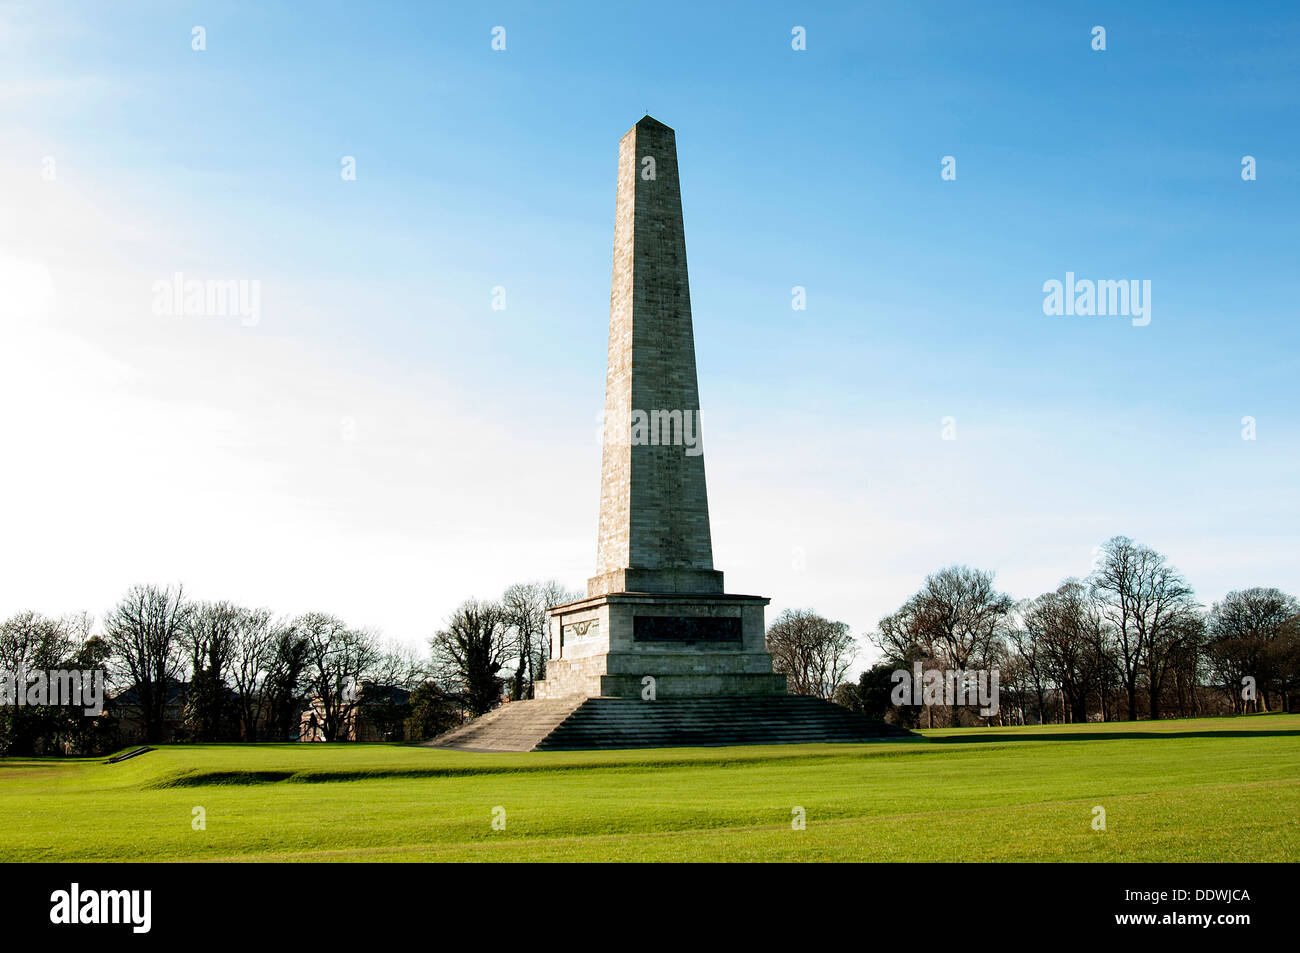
(690, 645)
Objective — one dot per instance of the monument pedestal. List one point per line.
(690, 645)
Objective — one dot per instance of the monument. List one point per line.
(657, 653)
(656, 607)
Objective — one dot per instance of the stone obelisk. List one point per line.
(654, 508)
(655, 617)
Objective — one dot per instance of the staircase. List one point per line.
(517, 726)
(579, 723)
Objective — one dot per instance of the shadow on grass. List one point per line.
(980, 736)
(223, 777)
(733, 758)
(471, 768)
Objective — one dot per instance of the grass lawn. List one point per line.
(1185, 790)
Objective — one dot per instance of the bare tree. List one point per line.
(210, 634)
(471, 651)
(957, 617)
(1029, 662)
(398, 665)
(1145, 601)
(385, 695)
(1103, 654)
(901, 636)
(524, 606)
(1255, 633)
(1063, 627)
(338, 659)
(1015, 681)
(251, 659)
(1171, 641)
(78, 626)
(284, 683)
(144, 632)
(814, 652)
(961, 615)
(30, 641)
(1188, 665)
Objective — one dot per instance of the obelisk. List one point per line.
(654, 508)
(655, 617)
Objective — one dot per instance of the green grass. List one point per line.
(1186, 790)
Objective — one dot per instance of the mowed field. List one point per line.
(1184, 790)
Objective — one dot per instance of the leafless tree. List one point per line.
(524, 606)
(386, 693)
(30, 641)
(814, 652)
(397, 665)
(1030, 664)
(901, 636)
(1256, 633)
(957, 618)
(144, 632)
(339, 659)
(1064, 627)
(209, 636)
(1016, 683)
(251, 661)
(470, 652)
(285, 681)
(1173, 640)
(1145, 601)
(961, 615)
(78, 626)
(1188, 665)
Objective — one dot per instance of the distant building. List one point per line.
(378, 714)
(125, 707)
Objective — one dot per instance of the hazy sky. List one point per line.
(381, 443)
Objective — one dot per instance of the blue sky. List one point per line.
(471, 459)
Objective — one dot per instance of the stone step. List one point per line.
(578, 723)
(517, 726)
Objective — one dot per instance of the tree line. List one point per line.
(1129, 641)
(196, 671)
